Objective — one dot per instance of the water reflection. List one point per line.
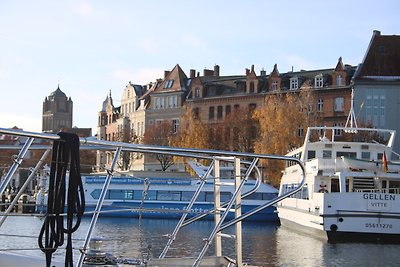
(263, 244)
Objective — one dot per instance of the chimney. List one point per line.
(216, 70)
(263, 72)
(247, 71)
(192, 73)
(166, 73)
(252, 68)
(376, 32)
(208, 72)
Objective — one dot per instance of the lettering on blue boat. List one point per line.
(372, 196)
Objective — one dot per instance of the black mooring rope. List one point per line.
(65, 156)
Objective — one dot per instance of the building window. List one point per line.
(196, 113)
(300, 132)
(339, 80)
(318, 81)
(219, 112)
(338, 132)
(157, 102)
(197, 92)
(339, 104)
(274, 86)
(251, 87)
(168, 84)
(294, 83)
(252, 106)
(211, 113)
(227, 110)
(175, 125)
(171, 101)
(320, 105)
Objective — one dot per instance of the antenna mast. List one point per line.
(351, 119)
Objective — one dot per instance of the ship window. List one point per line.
(137, 195)
(394, 187)
(201, 197)
(269, 196)
(327, 154)
(311, 154)
(255, 196)
(261, 196)
(209, 196)
(151, 195)
(169, 195)
(120, 194)
(346, 154)
(365, 155)
(335, 185)
(225, 196)
(187, 195)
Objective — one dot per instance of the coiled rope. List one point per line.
(65, 156)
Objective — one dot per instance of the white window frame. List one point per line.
(320, 105)
(319, 81)
(339, 80)
(338, 104)
(274, 85)
(294, 83)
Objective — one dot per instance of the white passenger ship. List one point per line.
(351, 190)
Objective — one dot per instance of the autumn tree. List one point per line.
(160, 134)
(193, 133)
(238, 130)
(283, 120)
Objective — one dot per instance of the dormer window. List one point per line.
(318, 81)
(339, 80)
(168, 84)
(197, 92)
(294, 83)
(274, 86)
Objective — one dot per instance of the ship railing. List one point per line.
(118, 147)
(393, 190)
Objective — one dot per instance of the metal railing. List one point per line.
(118, 147)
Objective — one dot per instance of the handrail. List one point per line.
(87, 143)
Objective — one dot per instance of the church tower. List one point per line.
(57, 112)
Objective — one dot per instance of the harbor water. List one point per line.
(263, 244)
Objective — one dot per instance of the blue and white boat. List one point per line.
(154, 196)
(168, 197)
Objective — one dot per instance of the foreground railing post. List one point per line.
(98, 208)
(16, 164)
(21, 190)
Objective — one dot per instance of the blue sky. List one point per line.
(92, 47)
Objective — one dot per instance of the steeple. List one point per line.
(339, 65)
(275, 72)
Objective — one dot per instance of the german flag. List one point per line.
(384, 162)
